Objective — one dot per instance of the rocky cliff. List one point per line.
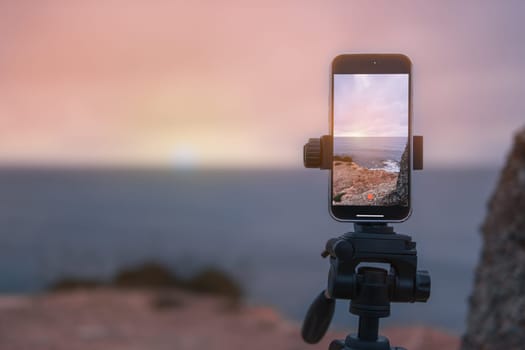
(400, 195)
(496, 318)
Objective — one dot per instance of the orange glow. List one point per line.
(240, 84)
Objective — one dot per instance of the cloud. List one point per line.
(371, 105)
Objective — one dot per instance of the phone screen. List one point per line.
(371, 149)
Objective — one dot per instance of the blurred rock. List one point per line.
(165, 300)
(496, 318)
(147, 275)
(123, 319)
(213, 281)
(154, 276)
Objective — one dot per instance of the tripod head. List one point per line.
(370, 289)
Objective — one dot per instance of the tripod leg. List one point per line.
(336, 345)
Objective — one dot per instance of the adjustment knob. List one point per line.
(312, 153)
(422, 286)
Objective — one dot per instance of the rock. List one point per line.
(150, 274)
(400, 195)
(496, 317)
(356, 185)
(214, 281)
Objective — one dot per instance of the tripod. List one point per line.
(370, 289)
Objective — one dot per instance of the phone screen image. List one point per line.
(371, 149)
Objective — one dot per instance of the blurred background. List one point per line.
(136, 131)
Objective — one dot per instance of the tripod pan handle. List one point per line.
(318, 319)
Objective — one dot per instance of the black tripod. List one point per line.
(370, 289)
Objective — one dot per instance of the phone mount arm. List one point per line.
(317, 153)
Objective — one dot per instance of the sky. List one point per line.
(371, 105)
(238, 83)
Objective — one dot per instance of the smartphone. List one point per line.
(371, 128)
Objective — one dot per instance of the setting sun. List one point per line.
(185, 156)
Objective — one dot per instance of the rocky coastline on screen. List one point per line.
(356, 185)
(496, 317)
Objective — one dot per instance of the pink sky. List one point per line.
(237, 83)
(371, 105)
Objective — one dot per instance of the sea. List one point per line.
(266, 228)
(372, 152)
